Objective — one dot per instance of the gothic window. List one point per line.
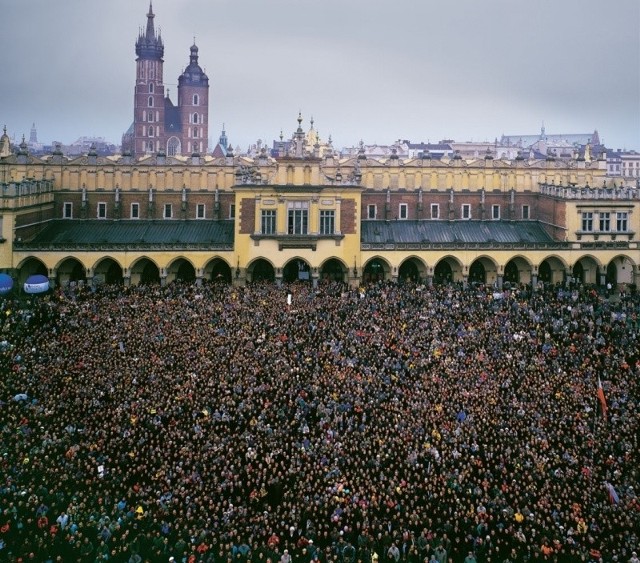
(150, 131)
(195, 118)
(196, 100)
(151, 88)
(173, 146)
(150, 101)
(195, 132)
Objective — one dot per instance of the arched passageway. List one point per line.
(108, 271)
(375, 270)
(296, 270)
(261, 271)
(70, 271)
(333, 270)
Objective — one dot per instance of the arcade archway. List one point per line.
(412, 270)
(181, 270)
(218, 271)
(442, 273)
(31, 266)
(108, 271)
(517, 270)
(483, 270)
(620, 271)
(145, 272)
(261, 271)
(586, 270)
(477, 273)
(551, 270)
(70, 271)
(447, 270)
(296, 270)
(333, 270)
(375, 270)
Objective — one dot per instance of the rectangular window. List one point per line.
(466, 211)
(102, 210)
(168, 211)
(298, 218)
(327, 222)
(67, 210)
(200, 211)
(587, 221)
(605, 221)
(495, 212)
(135, 211)
(268, 222)
(526, 214)
(435, 211)
(372, 211)
(622, 221)
(403, 211)
(232, 211)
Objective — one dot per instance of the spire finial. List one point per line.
(299, 118)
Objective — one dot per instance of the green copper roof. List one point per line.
(175, 233)
(453, 232)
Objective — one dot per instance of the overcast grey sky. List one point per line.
(375, 70)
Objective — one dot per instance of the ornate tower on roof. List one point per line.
(193, 101)
(5, 144)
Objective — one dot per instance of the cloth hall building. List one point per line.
(166, 209)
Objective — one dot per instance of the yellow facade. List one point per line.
(333, 197)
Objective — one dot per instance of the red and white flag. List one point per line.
(602, 399)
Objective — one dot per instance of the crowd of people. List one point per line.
(264, 424)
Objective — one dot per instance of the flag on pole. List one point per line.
(614, 498)
(602, 399)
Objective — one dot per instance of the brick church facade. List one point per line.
(159, 126)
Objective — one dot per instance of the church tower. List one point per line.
(193, 101)
(148, 106)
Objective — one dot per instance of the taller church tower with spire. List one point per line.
(158, 125)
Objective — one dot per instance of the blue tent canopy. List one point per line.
(6, 283)
(36, 284)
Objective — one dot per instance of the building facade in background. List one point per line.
(159, 125)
